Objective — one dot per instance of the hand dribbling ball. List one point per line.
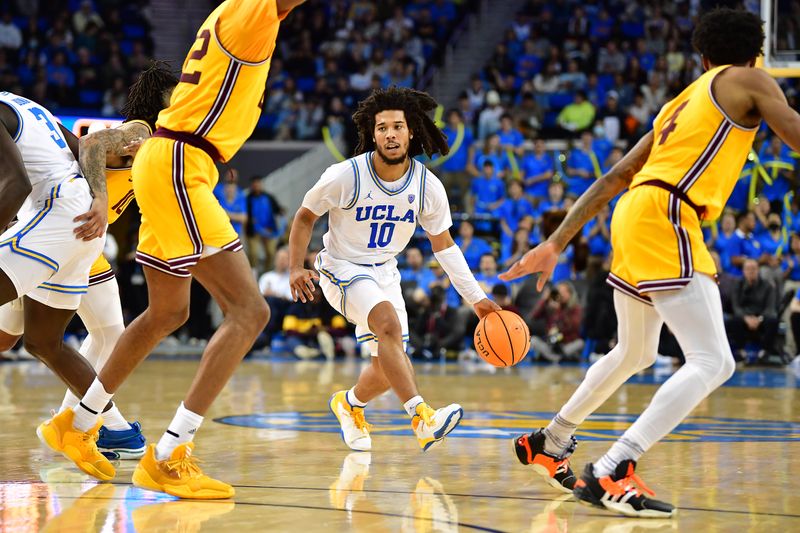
(502, 338)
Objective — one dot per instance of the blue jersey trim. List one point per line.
(381, 186)
(357, 187)
(14, 241)
(20, 122)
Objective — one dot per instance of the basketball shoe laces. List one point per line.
(359, 420)
(621, 486)
(426, 415)
(186, 465)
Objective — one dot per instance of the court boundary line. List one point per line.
(265, 504)
(406, 492)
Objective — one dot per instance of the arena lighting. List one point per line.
(80, 125)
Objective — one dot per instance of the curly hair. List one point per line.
(416, 105)
(146, 96)
(729, 36)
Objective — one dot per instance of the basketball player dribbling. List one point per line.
(375, 201)
(680, 173)
(186, 233)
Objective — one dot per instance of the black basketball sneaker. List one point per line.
(554, 469)
(621, 492)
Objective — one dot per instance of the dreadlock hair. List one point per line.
(146, 96)
(415, 105)
(729, 36)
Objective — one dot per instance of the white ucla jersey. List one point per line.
(45, 153)
(371, 220)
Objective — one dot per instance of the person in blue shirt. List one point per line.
(511, 212)
(234, 203)
(583, 165)
(510, 137)
(416, 273)
(761, 209)
(487, 276)
(440, 279)
(491, 151)
(554, 200)
(597, 233)
(488, 190)
(745, 246)
(453, 172)
(472, 247)
(740, 196)
(727, 240)
(519, 247)
(773, 245)
(791, 263)
(260, 229)
(780, 167)
(537, 168)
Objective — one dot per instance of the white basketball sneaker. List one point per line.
(355, 430)
(432, 426)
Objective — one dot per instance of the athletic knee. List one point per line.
(635, 358)
(251, 313)
(727, 366)
(387, 326)
(167, 319)
(42, 347)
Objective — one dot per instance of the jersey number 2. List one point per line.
(380, 234)
(194, 77)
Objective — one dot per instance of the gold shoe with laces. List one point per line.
(80, 447)
(355, 429)
(431, 427)
(179, 475)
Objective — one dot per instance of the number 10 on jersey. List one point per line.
(380, 235)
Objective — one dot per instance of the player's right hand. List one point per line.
(541, 259)
(302, 282)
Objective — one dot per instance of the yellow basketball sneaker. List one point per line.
(60, 435)
(432, 426)
(355, 429)
(179, 476)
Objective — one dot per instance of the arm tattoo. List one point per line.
(95, 148)
(603, 191)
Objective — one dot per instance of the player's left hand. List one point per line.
(132, 146)
(94, 220)
(486, 306)
(542, 259)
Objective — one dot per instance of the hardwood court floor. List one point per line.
(734, 465)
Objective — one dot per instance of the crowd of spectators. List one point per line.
(569, 86)
(332, 53)
(74, 56)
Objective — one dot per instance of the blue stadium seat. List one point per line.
(126, 47)
(89, 97)
(561, 100)
(134, 31)
(306, 85)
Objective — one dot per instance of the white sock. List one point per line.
(411, 405)
(621, 450)
(70, 401)
(113, 420)
(353, 400)
(181, 430)
(92, 403)
(557, 435)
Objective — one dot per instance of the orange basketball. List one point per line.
(502, 338)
